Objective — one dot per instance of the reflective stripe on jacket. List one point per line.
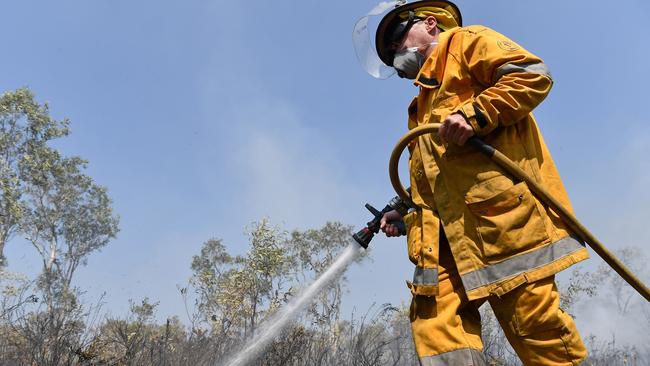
(500, 235)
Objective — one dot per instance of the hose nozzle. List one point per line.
(365, 235)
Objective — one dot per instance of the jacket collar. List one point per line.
(434, 66)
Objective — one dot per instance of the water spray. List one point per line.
(273, 326)
(281, 319)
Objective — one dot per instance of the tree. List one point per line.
(236, 292)
(68, 217)
(581, 283)
(621, 291)
(63, 214)
(25, 129)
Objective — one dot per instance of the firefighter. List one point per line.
(475, 233)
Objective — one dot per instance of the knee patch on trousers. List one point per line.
(536, 309)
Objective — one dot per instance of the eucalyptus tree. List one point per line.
(236, 292)
(48, 199)
(25, 128)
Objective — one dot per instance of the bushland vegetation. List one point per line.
(48, 202)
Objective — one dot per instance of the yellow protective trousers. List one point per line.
(447, 327)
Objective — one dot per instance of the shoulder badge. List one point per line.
(508, 46)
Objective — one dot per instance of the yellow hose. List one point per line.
(535, 187)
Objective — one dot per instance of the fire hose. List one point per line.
(537, 189)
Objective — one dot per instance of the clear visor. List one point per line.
(364, 42)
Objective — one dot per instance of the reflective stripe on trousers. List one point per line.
(521, 263)
(459, 357)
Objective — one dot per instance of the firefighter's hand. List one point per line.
(390, 229)
(455, 129)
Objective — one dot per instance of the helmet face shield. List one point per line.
(376, 35)
(363, 39)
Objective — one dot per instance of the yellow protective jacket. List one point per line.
(500, 235)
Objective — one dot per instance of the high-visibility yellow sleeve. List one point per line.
(515, 80)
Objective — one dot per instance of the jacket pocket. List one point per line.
(509, 223)
(413, 221)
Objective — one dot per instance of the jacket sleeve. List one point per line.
(513, 80)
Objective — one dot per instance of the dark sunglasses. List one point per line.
(402, 28)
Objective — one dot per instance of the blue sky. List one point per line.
(202, 116)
